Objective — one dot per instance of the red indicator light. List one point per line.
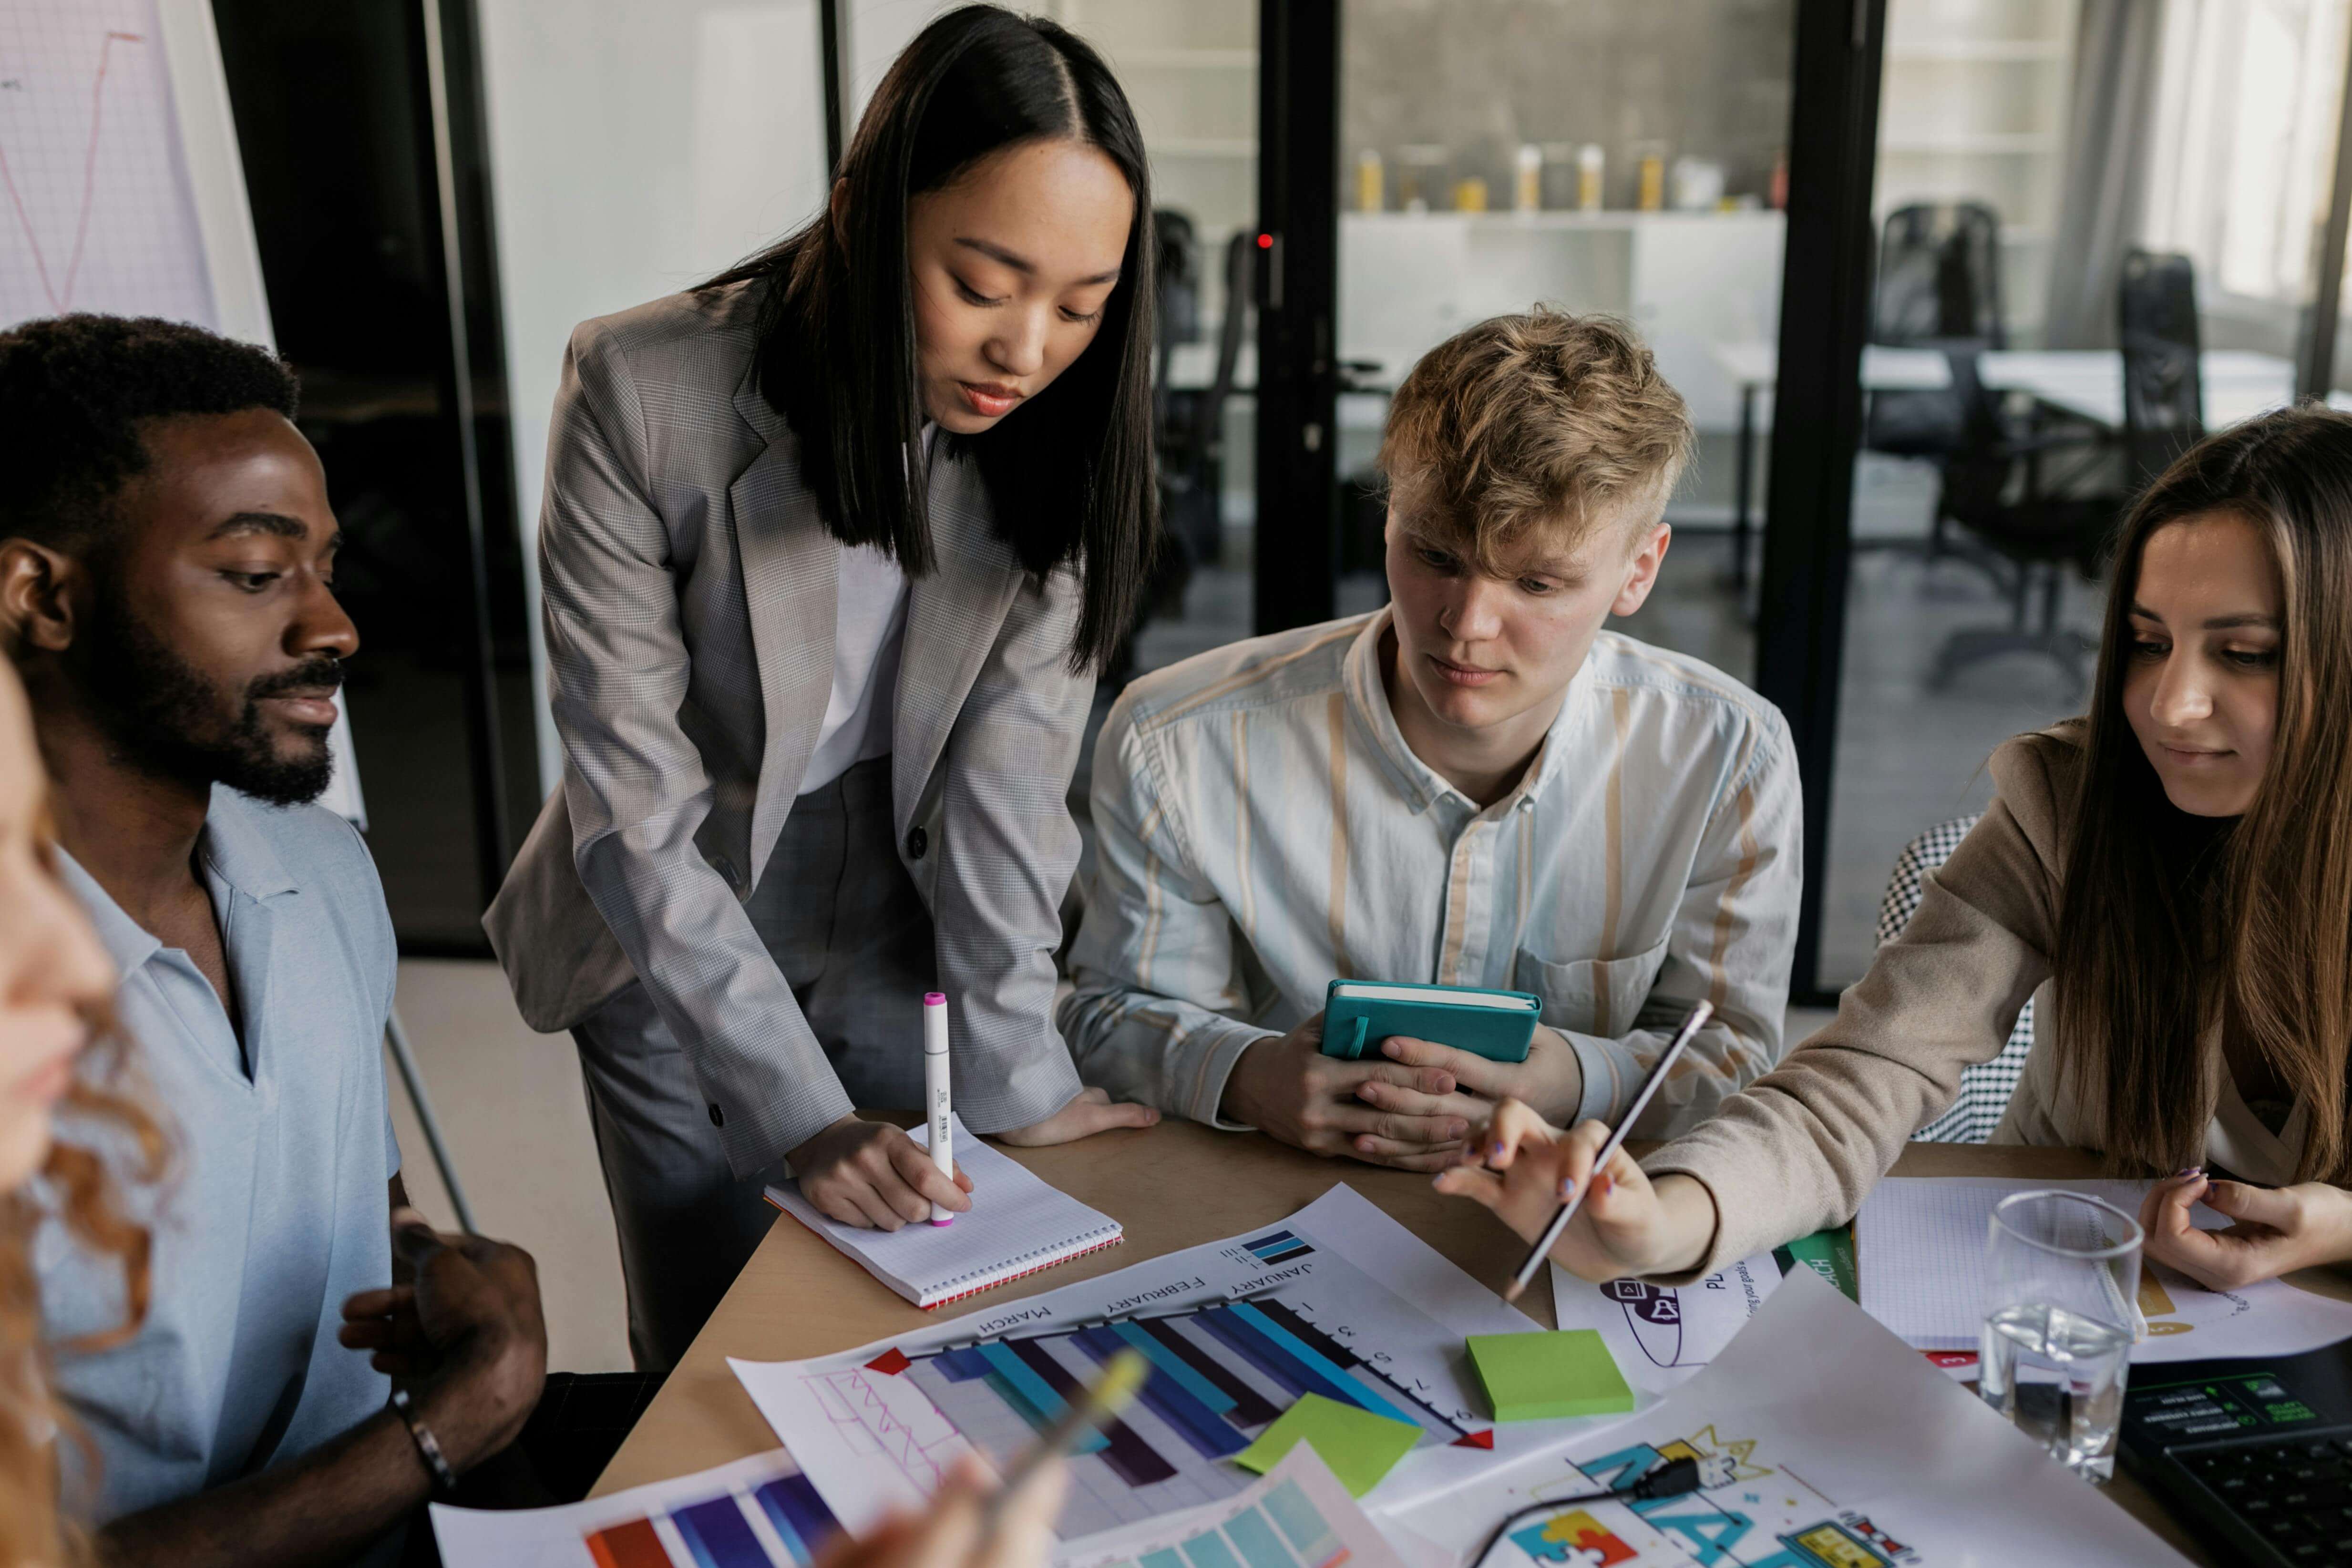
(1265, 242)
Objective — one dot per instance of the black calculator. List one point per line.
(2254, 1457)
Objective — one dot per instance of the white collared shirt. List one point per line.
(1262, 829)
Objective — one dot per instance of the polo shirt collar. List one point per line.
(233, 848)
(127, 942)
(237, 850)
(1421, 784)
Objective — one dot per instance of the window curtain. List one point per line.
(2104, 172)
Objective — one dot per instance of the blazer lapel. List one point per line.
(792, 568)
(952, 619)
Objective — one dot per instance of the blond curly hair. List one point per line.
(80, 1189)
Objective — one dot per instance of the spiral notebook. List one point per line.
(1017, 1226)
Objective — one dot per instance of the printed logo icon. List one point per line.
(1654, 1315)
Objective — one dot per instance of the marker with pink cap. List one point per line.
(935, 1091)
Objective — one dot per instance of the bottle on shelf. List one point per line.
(1371, 182)
(1650, 178)
(1526, 190)
(1591, 164)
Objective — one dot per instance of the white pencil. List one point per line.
(1551, 1237)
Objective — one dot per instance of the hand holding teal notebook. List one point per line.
(1359, 1014)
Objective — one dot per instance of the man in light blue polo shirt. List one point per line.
(166, 551)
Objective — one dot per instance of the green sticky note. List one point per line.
(1359, 1447)
(1538, 1376)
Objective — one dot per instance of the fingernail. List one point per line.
(1568, 1189)
(2188, 1171)
(1608, 1184)
(1438, 1180)
(1495, 1150)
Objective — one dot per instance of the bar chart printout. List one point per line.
(1338, 1302)
(756, 1513)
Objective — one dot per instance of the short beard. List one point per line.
(171, 722)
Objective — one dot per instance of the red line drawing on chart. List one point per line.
(61, 300)
(851, 1400)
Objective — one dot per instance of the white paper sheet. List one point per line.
(874, 1426)
(1919, 1244)
(1297, 1515)
(756, 1504)
(1841, 1439)
(1018, 1224)
(1662, 1335)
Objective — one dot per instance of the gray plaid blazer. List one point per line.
(688, 588)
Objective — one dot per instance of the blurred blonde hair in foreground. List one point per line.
(78, 1186)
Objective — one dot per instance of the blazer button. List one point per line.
(917, 842)
(718, 1117)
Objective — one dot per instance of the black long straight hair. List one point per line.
(1069, 475)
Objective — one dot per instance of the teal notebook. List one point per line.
(1359, 1014)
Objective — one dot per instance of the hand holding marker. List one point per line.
(935, 1091)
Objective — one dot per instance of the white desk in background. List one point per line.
(2238, 383)
(1753, 367)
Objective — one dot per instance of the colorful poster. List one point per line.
(1823, 1442)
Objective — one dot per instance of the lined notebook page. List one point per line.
(1919, 1249)
(1016, 1225)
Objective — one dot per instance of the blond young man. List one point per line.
(1474, 786)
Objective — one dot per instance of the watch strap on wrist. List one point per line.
(428, 1447)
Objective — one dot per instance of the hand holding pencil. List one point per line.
(1580, 1194)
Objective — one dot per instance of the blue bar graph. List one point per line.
(1317, 1361)
(1036, 1393)
(1258, 1544)
(1240, 1333)
(1168, 1361)
(1208, 1550)
(1171, 1401)
(719, 1535)
(800, 1516)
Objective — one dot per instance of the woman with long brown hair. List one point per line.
(2172, 872)
(55, 984)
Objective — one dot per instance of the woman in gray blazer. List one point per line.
(830, 548)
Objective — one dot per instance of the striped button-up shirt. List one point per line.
(1262, 829)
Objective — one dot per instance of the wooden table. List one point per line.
(1174, 1186)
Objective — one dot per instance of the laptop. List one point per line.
(2253, 1456)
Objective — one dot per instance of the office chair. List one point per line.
(1938, 286)
(2029, 531)
(2164, 391)
(1985, 1087)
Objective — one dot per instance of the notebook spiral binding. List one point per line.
(1053, 1259)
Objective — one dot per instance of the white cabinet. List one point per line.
(1409, 280)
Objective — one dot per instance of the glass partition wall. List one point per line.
(1590, 156)
(1191, 72)
(2067, 193)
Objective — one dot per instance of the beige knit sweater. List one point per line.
(1799, 1148)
